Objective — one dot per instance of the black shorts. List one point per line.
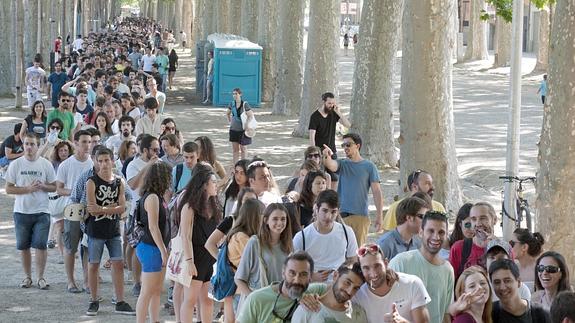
(240, 137)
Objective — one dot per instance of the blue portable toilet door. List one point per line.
(237, 68)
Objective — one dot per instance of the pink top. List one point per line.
(464, 318)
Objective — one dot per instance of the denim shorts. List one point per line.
(150, 257)
(96, 248)
(31, 230)
(72, 236)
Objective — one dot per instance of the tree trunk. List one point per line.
(556, 199)
(543, 42)
(30, 30)
(222, 16)
(197, 33)
(249, 18)
(320, 63)
(289, 74)
(502, 42)
(267, 31)
(208, 19)
(6, 72)
(477, 36)
(371, 107)
(235, 17)
(19, 11)
(426, 104)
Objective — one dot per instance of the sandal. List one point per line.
(26, 283)
(42, 284)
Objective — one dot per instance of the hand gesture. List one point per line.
(327, 151)
(463, 303)
(311, 302)
(394, 316)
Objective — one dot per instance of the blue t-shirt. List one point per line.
(57, 80)
(543, 88)
(186, 177)
(355, 179)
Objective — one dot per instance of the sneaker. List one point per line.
(114, 301)
(93, 309)
(124, 308)
(171, 295)
(51, 244)
(136, 289)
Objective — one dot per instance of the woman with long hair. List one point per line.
(172, 66)
(152, 250)
(551, 278)
(200, 213)
(104, 126)
(473, 294)
(463, 227)
(237, 180)
(207, 153)
(527, 247)
(314, 183)
(127, 149)
(169, 126)
(237, 134)
(246, 225)
(35, 122)
(270, 247)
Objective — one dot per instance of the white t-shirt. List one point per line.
(327, 250)
(147, 62)
(22, 172)
(70, 170)
(408, 293)
(161, 98)
(353, 314)
(135, 113)
(134, 168)
(116, 141)
(78, 43)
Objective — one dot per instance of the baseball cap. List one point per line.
(499, 243)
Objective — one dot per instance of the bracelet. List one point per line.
(189, 259)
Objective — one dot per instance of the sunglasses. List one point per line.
(65, 100)
(368, 248)
(512, 243)
(549, 269)
(347, 144)
(55, 128)
(309, 156)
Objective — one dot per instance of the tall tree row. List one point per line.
(427, 133)
(556, 198)
(543, 41)
(320, 74)
(502, 42)
(477, 40)
(236, 17)
(267, 33)
(6, 38)
(289, 76)
(249, 17)
(372, 95)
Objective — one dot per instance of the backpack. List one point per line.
(135, 230)
(223, 281)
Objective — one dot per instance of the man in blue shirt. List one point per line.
(55, 82)
(356, 177)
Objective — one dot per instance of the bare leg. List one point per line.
(190, 298)
(178, 299)
(27, 262)
(93, 273)
(229, 315)
(69, 259)
(244, 151)
(206, 303)
(236, 151)
(40, 255)
(59, 230)
(136, 268)
(118, 279)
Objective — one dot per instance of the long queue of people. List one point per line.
(301, 256)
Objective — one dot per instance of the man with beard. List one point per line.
(127, 126)
(511, 308)
(278, 301)
(469, 252)
(357, 177)
(418, 181)
(336, 304)
(323, 121)
(425, 263)
(63, 112)
(399, 297)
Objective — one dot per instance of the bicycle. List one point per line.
(523, 211)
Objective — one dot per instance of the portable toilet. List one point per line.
(200, 71)
(237, 64)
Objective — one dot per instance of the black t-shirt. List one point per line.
(226, 225)
(163, 222)
(534, 314)
(324, 129)
(10, 142)
(105, 226)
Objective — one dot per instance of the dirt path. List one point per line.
(480, 100)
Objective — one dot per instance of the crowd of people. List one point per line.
(300, 256)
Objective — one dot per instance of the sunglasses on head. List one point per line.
(368, 248)
(549, 269)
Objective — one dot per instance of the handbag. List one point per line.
(56, 205)
(249, 127)
(136, 231)
(177, 268)
(223, 281)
